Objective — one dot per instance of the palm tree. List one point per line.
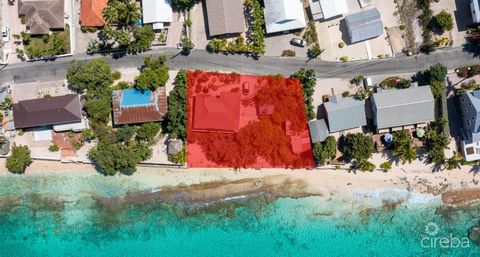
(402, 146)
(129, 12)
(110, 13)
(454, 162)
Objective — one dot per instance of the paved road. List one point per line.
(199, 59)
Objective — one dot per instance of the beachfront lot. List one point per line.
(333, 32)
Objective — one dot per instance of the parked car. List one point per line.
(245, 88)
(5, 34)
(298, 42)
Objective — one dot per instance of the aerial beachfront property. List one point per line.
(133, 106)
(470, 111)
(283, 15)
(344, 113)
(225, 17)
(403, 108)
(42, 16)
(61, 110)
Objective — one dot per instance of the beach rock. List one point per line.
(474, 234)
(174, 146)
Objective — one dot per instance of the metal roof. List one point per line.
(395, 108)
(345, 113)
(157, 12)
(225, 17)
(283, 15)
(318, 130)
(364, 25)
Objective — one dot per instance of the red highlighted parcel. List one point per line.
(243, 121)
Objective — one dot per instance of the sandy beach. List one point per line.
(325, 182)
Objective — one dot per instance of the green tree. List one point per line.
(113, 158)
(176, 121)
(217, 45)
(437, 72)
(357, 80)
(180, 157)
(94, 76)
(184, 4)
(110, 12)
(454, 162)
(153, 74)
(143, 37)
(128, 12)
(125, 133)
(187, 45)
(19, 159)
(324, 150)
(315, 51)
(436, 145)
(99, 109)
(308, 79)
(358, 147)
(364, 165)
(123, 37)
(444, 20)
(386, 166)
(403, 146)
(148, 131)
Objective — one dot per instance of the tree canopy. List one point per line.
(444, 20)
(308, 79)
(403, 146)
(176, 120)
(19, 159)
(324, 150)
(153, 74)
(358, 147)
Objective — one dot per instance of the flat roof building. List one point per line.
(327, 9)
(157, 13)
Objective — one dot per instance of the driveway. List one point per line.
(275, 44)
(199, 26)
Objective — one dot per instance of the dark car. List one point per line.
(297, 42)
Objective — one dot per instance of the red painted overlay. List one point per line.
(243, 121)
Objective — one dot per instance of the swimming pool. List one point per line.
(135, 97)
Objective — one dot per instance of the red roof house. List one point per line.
(218, 113)
(131, 106)
(91, 13)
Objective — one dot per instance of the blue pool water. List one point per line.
(58, 216)
(134, 97)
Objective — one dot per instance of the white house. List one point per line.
(327, 9)
(284, 15)
(157, 12)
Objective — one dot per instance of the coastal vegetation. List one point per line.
(323, 151)
(444, 20)
(176, 119)
(308, 79)
(153, 74)
(48, 45)
(19, 159)
(118, 149)
(358, 148)
(402, 146)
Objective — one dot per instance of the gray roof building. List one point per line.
(283, 15)
(396, 108)
(470, 109)
(345, 113)
(364, 25)
(318, 130)
(225, 17)
(41, 16)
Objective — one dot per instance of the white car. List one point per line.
(5, 34)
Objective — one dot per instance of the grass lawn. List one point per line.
(58, 43)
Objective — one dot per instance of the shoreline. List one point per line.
(228, 183)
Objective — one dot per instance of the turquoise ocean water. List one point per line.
(56, 216)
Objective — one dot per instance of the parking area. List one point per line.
(334, 32)
(275, 44)
(199, 26)
(33, 90)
